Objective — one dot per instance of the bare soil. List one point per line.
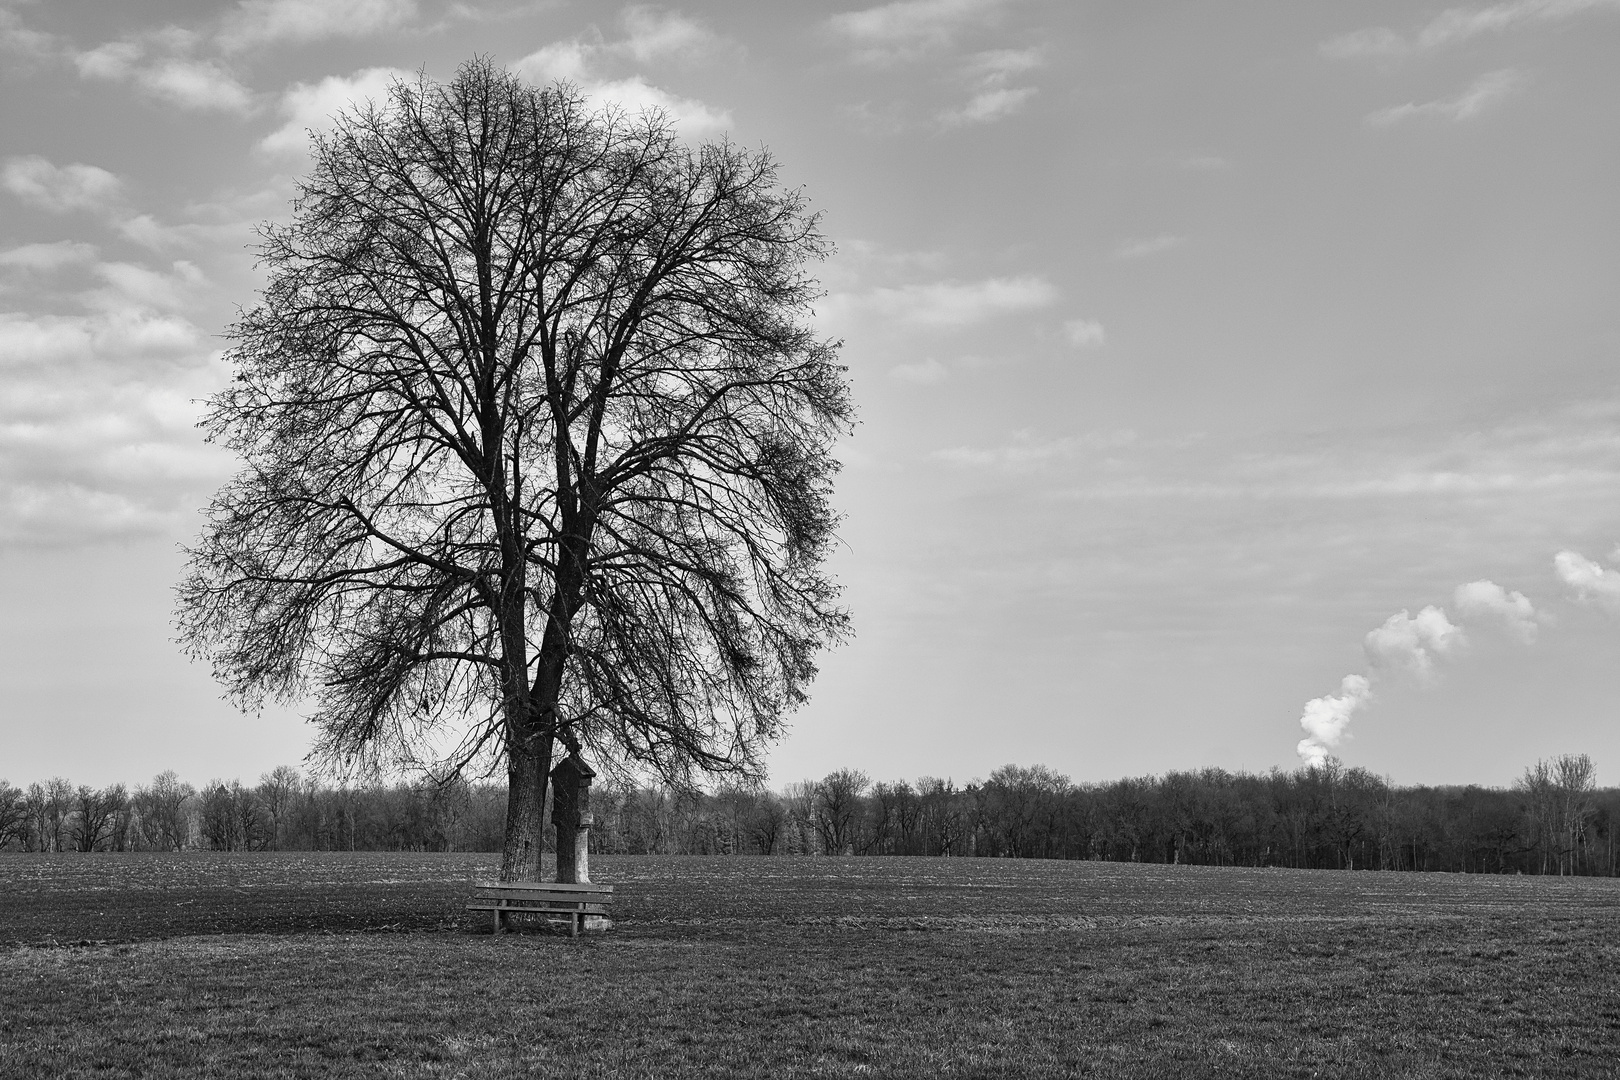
(353, 965)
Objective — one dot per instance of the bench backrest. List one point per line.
(543, 890)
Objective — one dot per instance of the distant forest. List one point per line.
(1553, 820)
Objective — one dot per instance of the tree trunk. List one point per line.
(528, 771)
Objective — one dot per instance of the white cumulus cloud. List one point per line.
(97, 427)
(636, 95)
(311, 106)
(61, 188)
(199, 85)
(169, 75)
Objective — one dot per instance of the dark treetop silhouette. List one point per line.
(536, 447)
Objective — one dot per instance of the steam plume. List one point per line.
(1588, 580)
(1487, 599)
(1412, 643)
(1326, 718)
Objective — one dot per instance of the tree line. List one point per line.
(1553, 820)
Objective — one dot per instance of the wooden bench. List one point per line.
(543, 898)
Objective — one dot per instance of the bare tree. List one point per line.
(217, 817)
(13, 815)
(1019, 805)
(52, 808)
(799, 808)
(1574, 782)
(941, 816)
(276, 791)
(1540, 796)
(95, 812)
(537, 444)
(766, 822)
(838, 809)
(161, 810)
(36, 808)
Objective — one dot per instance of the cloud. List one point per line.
(147, 288)
(1484, 93)
(991, 74)
(267, 22)
(46, 258)
(1587, 579)
(1458, 24)
(636, 95)
(97, 427)
(569, 60)
(950, 304)
(61, 189)
(649, 35)
(19, 39)
(988, 106)
(199, 85)
(1327, 718)
(1141, 249)
(311, 107)
(926, 373)
(1025, 452)
(1488, 600)
(1413, 641)
(909, 28)
(1374, 41)
(652, 34)
(1084, 333)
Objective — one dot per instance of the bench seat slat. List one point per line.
(576, 909)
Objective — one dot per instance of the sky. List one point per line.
(1238, 383)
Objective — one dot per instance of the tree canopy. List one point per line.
(536, 442)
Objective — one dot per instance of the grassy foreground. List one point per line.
(350, 966)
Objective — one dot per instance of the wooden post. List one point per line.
(571, 814)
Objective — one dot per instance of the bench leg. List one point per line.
(574, 923)
(500, 920)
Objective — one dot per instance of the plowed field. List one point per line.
(365, 965)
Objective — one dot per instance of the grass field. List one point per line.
(364, 965)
